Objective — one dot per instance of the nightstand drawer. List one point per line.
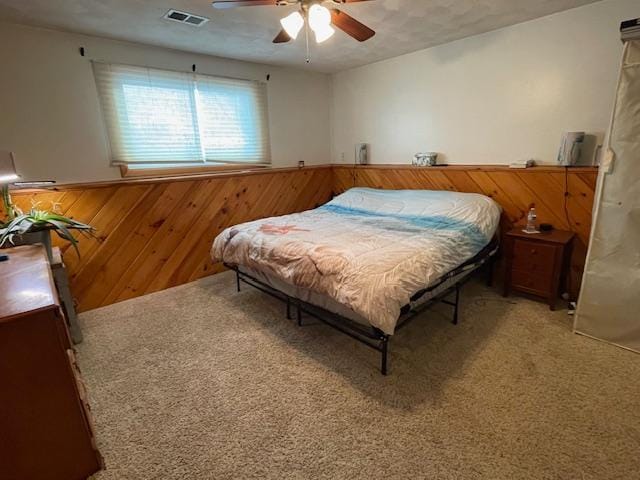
(532, 283)
(529, 254)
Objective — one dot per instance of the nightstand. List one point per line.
(536, 262)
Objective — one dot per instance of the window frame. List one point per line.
(170, 170)
(161, 169)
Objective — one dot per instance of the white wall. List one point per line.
(49, 111)
(495, 98)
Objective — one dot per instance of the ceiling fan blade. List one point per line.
(282, 37)
(220, 4)
(351, 26)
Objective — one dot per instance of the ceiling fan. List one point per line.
(311, 13)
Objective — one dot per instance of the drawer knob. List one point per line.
(533, 251)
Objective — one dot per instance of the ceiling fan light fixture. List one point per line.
(324, 33)
(292, 24)
(320, 22)
(319, 17)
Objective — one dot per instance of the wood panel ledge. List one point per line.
(469, 168)
(171, 179)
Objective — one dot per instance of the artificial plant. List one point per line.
(19, 223)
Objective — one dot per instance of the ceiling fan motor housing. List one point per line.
(306, 3)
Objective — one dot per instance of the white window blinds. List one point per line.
(165, 117)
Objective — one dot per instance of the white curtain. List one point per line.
(609, 304)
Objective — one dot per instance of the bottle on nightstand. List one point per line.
(531, 222)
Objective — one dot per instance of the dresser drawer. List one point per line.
(535, 257)
(84, 400)
(531, 283)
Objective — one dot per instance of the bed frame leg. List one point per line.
(457, 303)
(237, 281)
(299, 314)
(384, 344)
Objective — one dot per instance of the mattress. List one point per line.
(369, 251)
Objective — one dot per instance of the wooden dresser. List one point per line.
(45, 425)
(536, 263)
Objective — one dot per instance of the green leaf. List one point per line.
(12, 228)
(41, 219)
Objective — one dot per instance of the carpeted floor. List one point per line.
(200, 382)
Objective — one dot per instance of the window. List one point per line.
(159, 118)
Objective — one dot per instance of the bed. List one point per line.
(369, 260)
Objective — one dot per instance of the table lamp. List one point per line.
(7, 168)
(7, 175)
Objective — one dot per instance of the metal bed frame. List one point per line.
(373, 337)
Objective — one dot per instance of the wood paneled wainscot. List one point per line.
(155, 234)
(514, 189)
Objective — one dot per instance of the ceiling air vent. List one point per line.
(184, 17)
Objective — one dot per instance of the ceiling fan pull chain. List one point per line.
(306, 34)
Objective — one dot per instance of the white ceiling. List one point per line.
(402, 26)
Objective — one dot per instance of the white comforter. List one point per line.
(370, 250)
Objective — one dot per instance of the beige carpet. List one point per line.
(199, 382)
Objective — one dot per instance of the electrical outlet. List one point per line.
(342, 157)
